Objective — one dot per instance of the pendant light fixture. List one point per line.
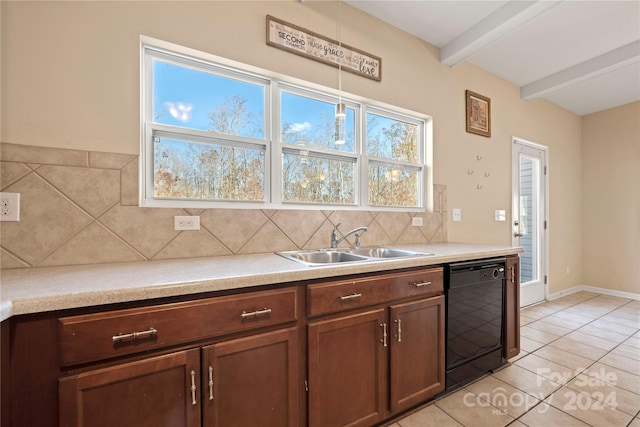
(341, 119)
(341, 108)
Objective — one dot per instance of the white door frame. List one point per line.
(518, 146)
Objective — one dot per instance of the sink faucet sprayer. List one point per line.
(334, 235)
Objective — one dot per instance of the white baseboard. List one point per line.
(594, 289)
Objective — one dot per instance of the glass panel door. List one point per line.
(529, 223)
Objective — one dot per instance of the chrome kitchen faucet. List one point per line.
(334, 235)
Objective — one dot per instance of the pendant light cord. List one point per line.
(340, 50)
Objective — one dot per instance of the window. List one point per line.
(394, 153)
(207, 129)
(216, 133)
(316, 169)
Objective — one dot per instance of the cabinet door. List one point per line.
(512, 308)
(159, 391)
(348, 368)
(417, 352)
(252, 381)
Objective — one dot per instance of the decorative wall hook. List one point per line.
(487, 174)
(470, 171)
(479, 186)
(479, 157)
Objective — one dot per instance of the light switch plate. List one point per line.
(501, 215)
(457, 214)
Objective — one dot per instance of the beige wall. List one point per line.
(611, 199)
(70, 75)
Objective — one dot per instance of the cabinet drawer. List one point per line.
(97, 336)
(342, 295)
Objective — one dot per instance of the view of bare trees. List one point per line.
(313, 168)
(193, 170)
(310, 177)
(393, 185)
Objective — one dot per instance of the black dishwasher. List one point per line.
(474, 295)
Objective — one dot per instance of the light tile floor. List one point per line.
(579, 365)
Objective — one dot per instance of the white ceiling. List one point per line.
(582, 55)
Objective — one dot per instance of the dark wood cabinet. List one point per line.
(371, 347)
(252, 381)
(103, 335)
(242, 376)
(347, 359)
(246, 381)
(241, 382)
(161, 390)
(367, 365)
(417, 352)
(512, 308)
(340, 295)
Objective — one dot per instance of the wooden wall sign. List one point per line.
(289, 37)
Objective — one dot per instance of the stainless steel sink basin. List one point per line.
(317, 257)
(382, 252)
(322, 256)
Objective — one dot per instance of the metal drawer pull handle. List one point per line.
(399, 322)
(193, 387)
(210, 383)
(352, 296)
(256, 313)
(134, 335)
(421, 284)
(384, 334)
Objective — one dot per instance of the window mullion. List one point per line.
(399, 163)
(205, 138)
(308, 151)
(363, 171)
(275, 178)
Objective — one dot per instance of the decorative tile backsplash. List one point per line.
(81, 207)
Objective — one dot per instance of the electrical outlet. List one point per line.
(416, 221)
(9, 206)
(457, 214)
(186, 223)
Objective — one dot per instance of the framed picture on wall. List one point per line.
(478, 114)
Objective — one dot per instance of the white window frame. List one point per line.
(419, 165)
(354, 156)
(272, 138)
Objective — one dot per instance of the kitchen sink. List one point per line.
(322, 256)
(318, 257)
(382, 252)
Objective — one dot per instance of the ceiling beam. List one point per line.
(605, 63)
(508, 18)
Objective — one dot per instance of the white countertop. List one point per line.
(35, 290)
